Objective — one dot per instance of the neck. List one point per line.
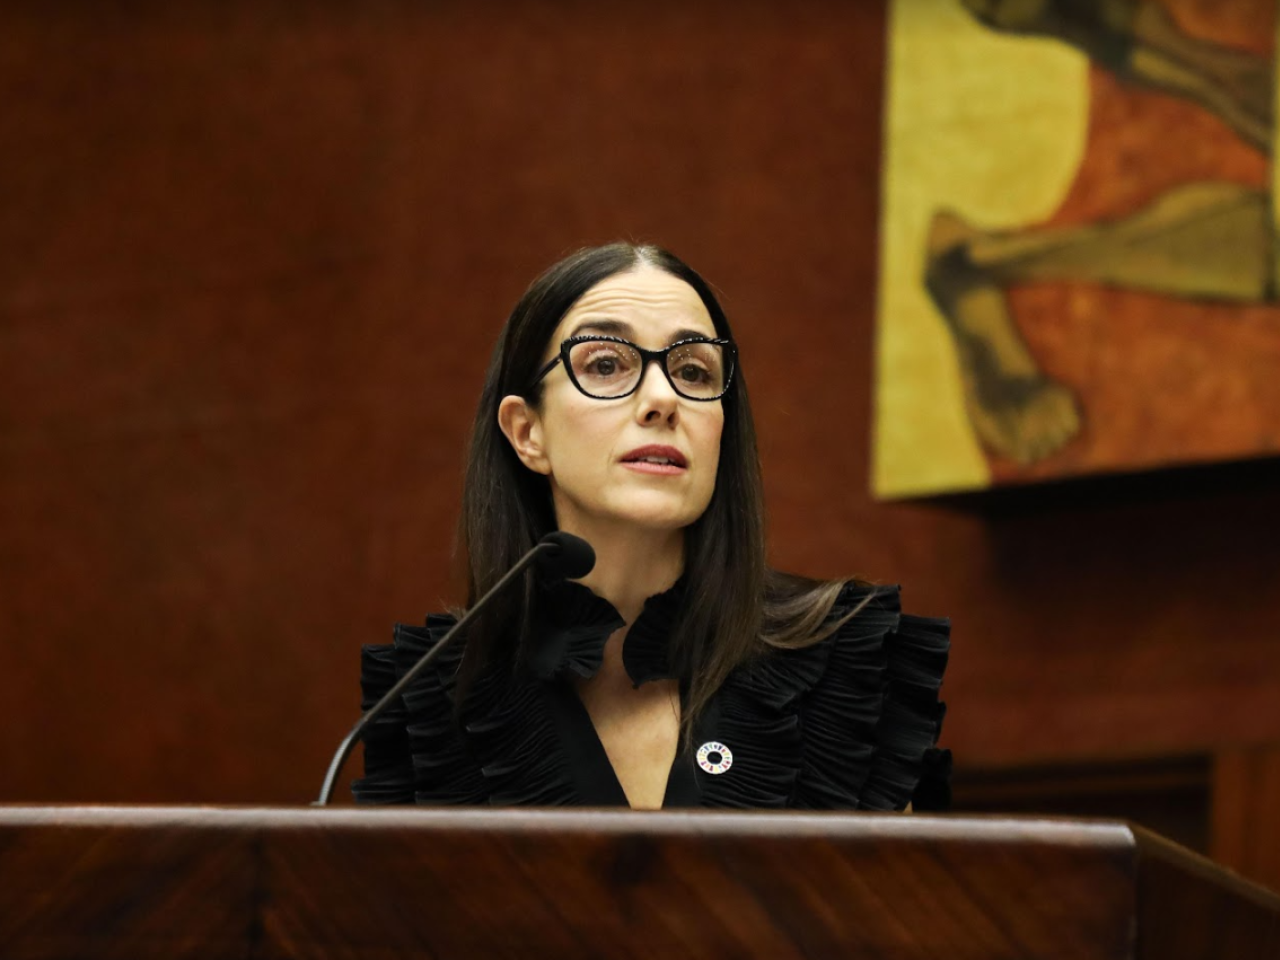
(632, 565)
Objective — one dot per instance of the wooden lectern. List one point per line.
(177, 882)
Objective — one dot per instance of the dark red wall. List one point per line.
(252, 259)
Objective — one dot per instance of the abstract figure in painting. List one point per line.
(1201, 240)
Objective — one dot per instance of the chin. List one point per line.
(654, 510)
(660, 524)
(659, 516)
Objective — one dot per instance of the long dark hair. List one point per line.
(734, 606)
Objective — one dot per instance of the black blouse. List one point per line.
(849, 722)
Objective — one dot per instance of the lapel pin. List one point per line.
(714, 757)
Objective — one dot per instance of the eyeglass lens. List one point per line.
(605, 368)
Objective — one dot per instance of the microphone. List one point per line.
(562, 556)
(572, 558)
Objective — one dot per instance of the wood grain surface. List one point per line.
(1246, 827)
(276, 883)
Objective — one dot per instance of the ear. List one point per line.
(522, 426)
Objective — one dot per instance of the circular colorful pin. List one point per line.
(715, 757)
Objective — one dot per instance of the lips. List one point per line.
(657, 455)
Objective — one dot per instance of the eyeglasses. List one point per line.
(609, 368)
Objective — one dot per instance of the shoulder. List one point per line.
(495, 749)
(883, 678)
(865, 699)
(419, 726)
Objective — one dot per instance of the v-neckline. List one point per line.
(595, 780)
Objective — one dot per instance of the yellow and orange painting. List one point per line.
(1078, 266)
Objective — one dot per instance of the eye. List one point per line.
(690, 371)
(601, 361)
(603, 366)
(696, 364)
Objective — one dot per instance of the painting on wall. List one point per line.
(1078, 260)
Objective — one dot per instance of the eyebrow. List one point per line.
(619, 328)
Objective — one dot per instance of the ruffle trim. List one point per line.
(916, 658)
(388, 766)
(849, 722)
(574, 624)
(509, 755)
(645, 652)
(434, 765)
(878, 708)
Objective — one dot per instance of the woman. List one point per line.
(680, 671)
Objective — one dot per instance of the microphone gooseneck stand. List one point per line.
(564, 556)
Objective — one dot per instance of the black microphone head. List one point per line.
(569, 558)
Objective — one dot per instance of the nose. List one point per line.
(656, 401)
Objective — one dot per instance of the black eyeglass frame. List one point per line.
(646, 357)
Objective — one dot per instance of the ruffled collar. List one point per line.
(572, 624)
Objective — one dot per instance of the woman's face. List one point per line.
(600, 456)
